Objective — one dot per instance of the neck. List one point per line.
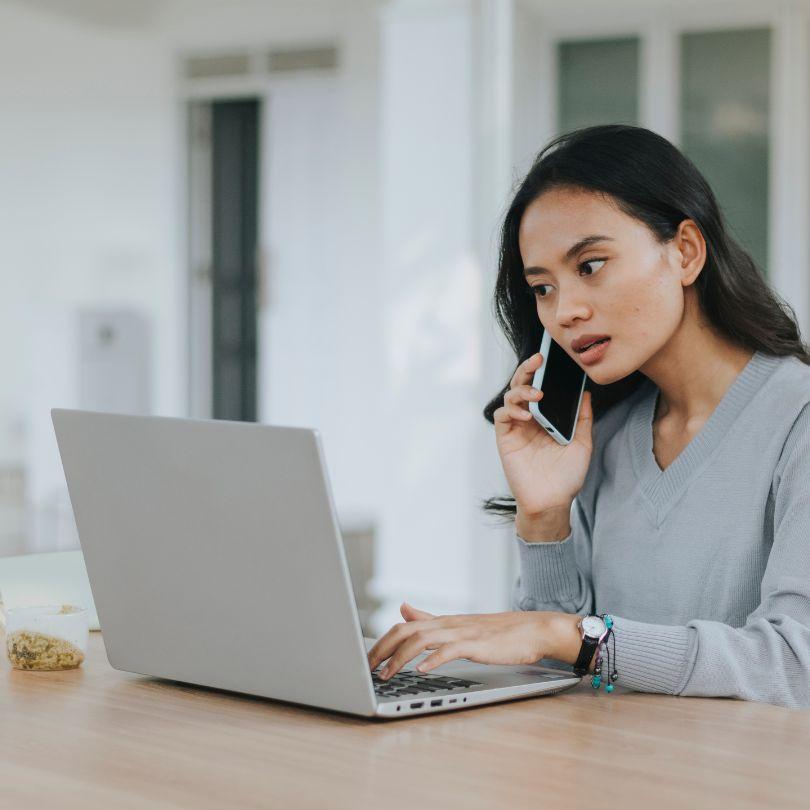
(694, 369)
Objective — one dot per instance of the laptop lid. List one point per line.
(214, 555)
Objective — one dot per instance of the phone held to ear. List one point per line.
(562, 381)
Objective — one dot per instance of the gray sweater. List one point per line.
(705, 566)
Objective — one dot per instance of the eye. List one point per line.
(536, 290)
(600, 262)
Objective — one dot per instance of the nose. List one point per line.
(571, 306)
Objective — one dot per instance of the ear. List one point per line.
(691, 247)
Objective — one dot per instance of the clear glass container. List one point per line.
(46, 638)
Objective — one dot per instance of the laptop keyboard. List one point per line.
(409, 682)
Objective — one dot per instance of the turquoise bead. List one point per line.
(609, 687)
(596, 681)
(608, 621)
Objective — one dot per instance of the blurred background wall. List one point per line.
(288, 212)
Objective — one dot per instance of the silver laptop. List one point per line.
(215, 558)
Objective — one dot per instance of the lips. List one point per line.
(582, 343)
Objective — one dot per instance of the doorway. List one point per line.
(224, 170)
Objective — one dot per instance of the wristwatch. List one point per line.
(593, 629)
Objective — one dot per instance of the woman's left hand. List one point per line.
(487, 638)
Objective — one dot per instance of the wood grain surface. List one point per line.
(95, 737)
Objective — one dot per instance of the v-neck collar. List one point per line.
(663, 488)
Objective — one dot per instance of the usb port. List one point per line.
(435, 703)
(417, 705)
(452, 700)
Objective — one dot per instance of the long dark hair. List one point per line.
(651, 180)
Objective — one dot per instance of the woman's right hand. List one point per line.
(542, 474)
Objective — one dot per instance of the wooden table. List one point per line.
(95, 737)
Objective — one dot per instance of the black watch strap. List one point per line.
(586, 652)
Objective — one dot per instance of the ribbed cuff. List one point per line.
(651, 657)
(548, 570)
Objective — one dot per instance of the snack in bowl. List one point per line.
(46, 638)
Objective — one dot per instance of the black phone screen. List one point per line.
(561, 386)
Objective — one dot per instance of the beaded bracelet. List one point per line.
(613, 675)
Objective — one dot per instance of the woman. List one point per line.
(682, 506)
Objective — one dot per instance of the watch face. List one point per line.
(593, 626)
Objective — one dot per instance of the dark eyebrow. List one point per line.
(571, 252)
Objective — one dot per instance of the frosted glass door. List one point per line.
(597, 82)
(725, 80)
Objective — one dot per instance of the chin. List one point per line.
(605, 376)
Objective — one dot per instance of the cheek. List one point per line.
(652, 303)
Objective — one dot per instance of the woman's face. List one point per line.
(598, 271)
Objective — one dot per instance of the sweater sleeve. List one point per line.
(555, 575)
(768, 658)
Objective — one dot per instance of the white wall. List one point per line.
(92, 207)
(88, 175)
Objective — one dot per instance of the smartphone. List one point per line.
(562, 381)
